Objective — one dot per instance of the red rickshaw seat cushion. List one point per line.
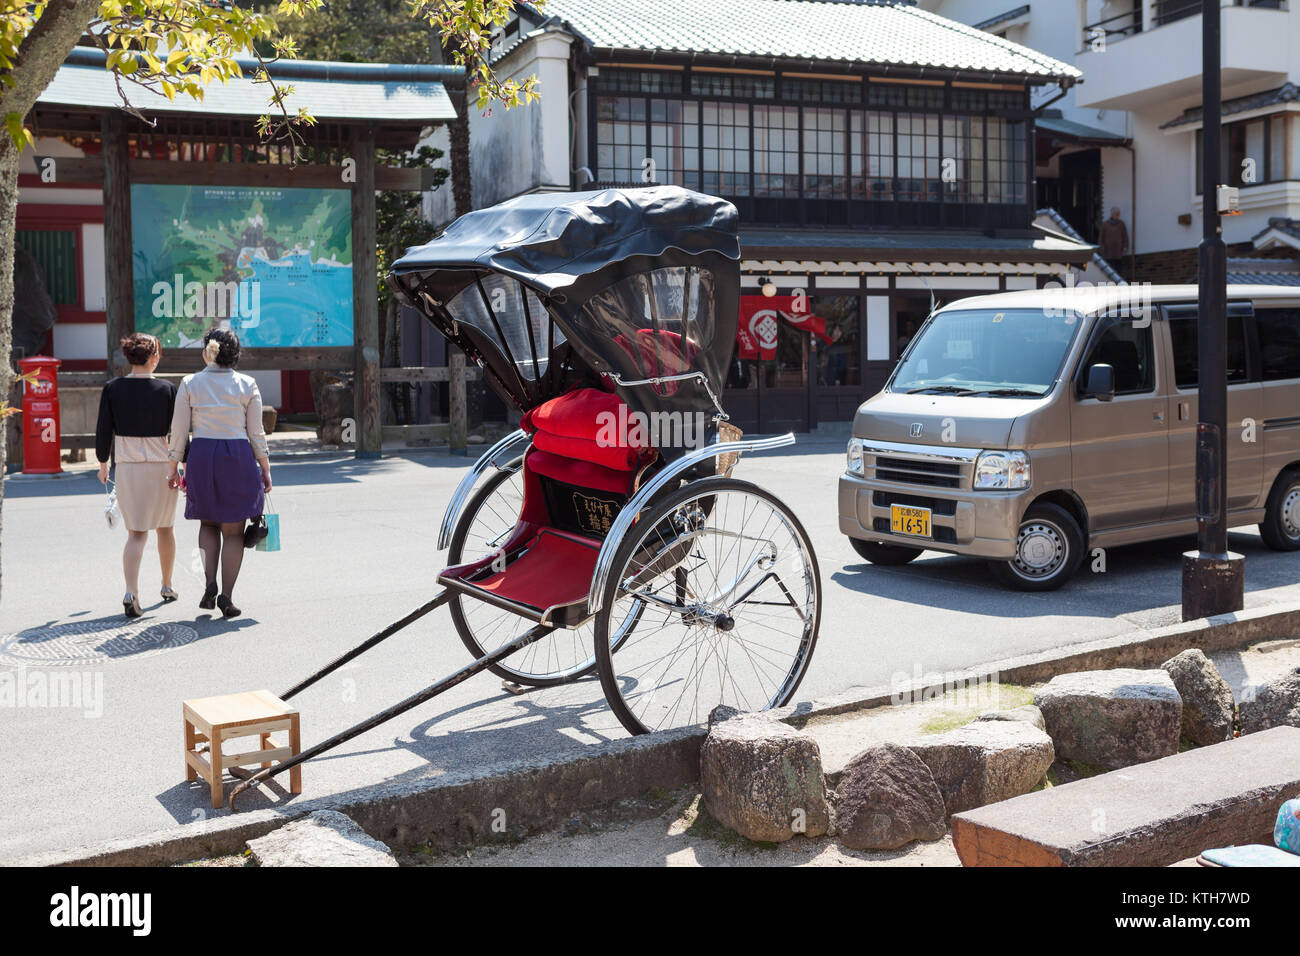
(587, 425)
(575, 471)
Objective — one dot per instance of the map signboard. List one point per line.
(272, 263)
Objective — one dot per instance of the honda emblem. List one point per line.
(916, 429)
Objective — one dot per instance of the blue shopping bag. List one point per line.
(272, 540)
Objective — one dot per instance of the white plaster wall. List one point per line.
(79, 340)
(1157, 75)
(1054, 27)
(1164, 62)
(436, 205)
(1166, 166)
(52, 193)
(92, 266)
(268, 383)
(520, 150)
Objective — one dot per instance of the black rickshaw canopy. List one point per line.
(549, 290)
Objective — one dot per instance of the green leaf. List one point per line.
(19, 133)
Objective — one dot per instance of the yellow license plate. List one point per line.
(909, 521)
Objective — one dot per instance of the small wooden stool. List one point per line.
(211, 720)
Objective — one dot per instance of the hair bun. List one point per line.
(139, 348)
(211, 350)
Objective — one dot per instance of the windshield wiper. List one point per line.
(944, 389)
(1009, 391)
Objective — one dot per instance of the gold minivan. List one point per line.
(1032, 428)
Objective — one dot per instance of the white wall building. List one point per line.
(1141, 61)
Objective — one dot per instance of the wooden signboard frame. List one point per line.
(119, 170)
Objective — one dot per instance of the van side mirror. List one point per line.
(1100, 383)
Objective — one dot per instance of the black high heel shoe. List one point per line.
(209, 599)
(227, 609)
(131, 605)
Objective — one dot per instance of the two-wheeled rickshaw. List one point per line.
(607, 533)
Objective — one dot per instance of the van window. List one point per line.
(993, 352)
(1182, 331)
(1279, 342)
(1128, 351)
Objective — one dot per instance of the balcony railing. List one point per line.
(1167, 11)
(1162, 11)
(1120, 25)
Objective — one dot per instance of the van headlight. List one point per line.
(1002, 469)
(854, 466)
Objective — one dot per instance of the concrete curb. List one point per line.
(458, 809)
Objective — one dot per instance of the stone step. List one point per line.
(1150, 814)
(325, 838)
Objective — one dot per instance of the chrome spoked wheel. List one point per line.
(1042, 549)
(562, 656)
(731, 595)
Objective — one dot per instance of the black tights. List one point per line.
(226, 540)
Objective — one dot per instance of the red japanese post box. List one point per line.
(41, 415)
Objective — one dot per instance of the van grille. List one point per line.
(940, 474)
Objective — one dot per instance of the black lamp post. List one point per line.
(1213, 577)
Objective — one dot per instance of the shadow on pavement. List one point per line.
(534, 726)
(1141, 579)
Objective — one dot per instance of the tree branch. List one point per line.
(43, 51)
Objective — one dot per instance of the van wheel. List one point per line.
(887, 555)
(1280, 528)
(1049, 549)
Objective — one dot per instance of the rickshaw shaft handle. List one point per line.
(530, 636)
(441, 599)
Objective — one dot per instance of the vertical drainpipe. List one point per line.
(578, 93)
(1132, 212)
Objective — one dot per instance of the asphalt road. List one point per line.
(359, 552)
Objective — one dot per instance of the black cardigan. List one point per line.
(135, 407)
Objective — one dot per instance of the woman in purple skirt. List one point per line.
(227, 469)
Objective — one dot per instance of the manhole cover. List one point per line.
(80, 641)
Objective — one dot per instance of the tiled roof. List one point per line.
(849, 31)
(1286, 93)
(394, 93)
(1264, 272)
(1051, 121)
(1289, 226)
(1263, 278)
(1060, 222)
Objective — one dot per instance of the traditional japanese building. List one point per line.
(882, 158)
(180, 216)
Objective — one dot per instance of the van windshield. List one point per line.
(1006, 352)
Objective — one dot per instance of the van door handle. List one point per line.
(1184, 411)
(1158, 415)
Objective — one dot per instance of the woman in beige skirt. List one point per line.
(135, 413)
